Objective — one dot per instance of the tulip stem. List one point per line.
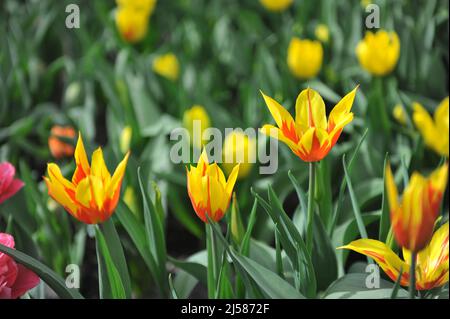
(211, 249)
(310, 212)
(412, 276)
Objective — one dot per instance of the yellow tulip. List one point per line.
(432, 262)
(276, 5)
(239, 148)
(399, 114)
(125, 139)
(322, 33)
(129, 197)
(147, 6)
(93, 194)
(304, 58)
(132, 24)
(209, 191)
(311, 137)
(413, 217)
(378, 52)
(199, 114)
(434, 132)
(167, 66)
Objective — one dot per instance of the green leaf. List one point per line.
(114, 286)
(46, 274)
(193, 268)
(269, 282)
(155, 238)
(117, 255)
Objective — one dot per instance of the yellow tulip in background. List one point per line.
(311, 137)
(434, 131)
(147, 6)
(322, 33)
(209, 191)
(93, 194)
(239, 148)
(199, 114)
(414, 216)
(276, 5)
(379, 52)
(399, 114)
(125, 139)
(304, 58)
(432, 262)
(167, 65)
(132, 18)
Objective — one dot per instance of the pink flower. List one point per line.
(15, 279)
(8, 185)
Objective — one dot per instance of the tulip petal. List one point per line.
(310, 110)
(276, 133)
(383, 255)
(13, 188)
(81, 160)
(232, 180)
(7, 172)
(279, 113)
(58, 193)
(26, 280)
(391, 189)
(117, 177)
(340, 115)
(98, 167)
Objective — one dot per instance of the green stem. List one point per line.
(412, 276)
(212, 264)
(310, 212)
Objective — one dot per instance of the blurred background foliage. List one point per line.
(93, 80)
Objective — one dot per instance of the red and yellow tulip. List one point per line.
(413, 217)
(310, 136)
(208, 189)
(432, 262)
(93, 194)
(58, 148)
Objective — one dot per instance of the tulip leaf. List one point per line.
(117, 255)
(52, 279)
(193, 268)
(113, 286)
(155, 237)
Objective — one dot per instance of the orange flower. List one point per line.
(58, 148)
(208, 190)
(93, 194)
(413, 217)
(311, 137)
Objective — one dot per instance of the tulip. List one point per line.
(432, 262)
(304, 58)
(58, 148)
(434, 132)
(378, 52)
(196, 114)
(167, 66)
(413, 217)
(147, 6)
(132, 24)
(15, 279)
(322, 33)
(125, 139)
(93, 194)
(310, 136)
(399, 114)
(208, 189)
(239, 148)
(276, 5)
(8, 184)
